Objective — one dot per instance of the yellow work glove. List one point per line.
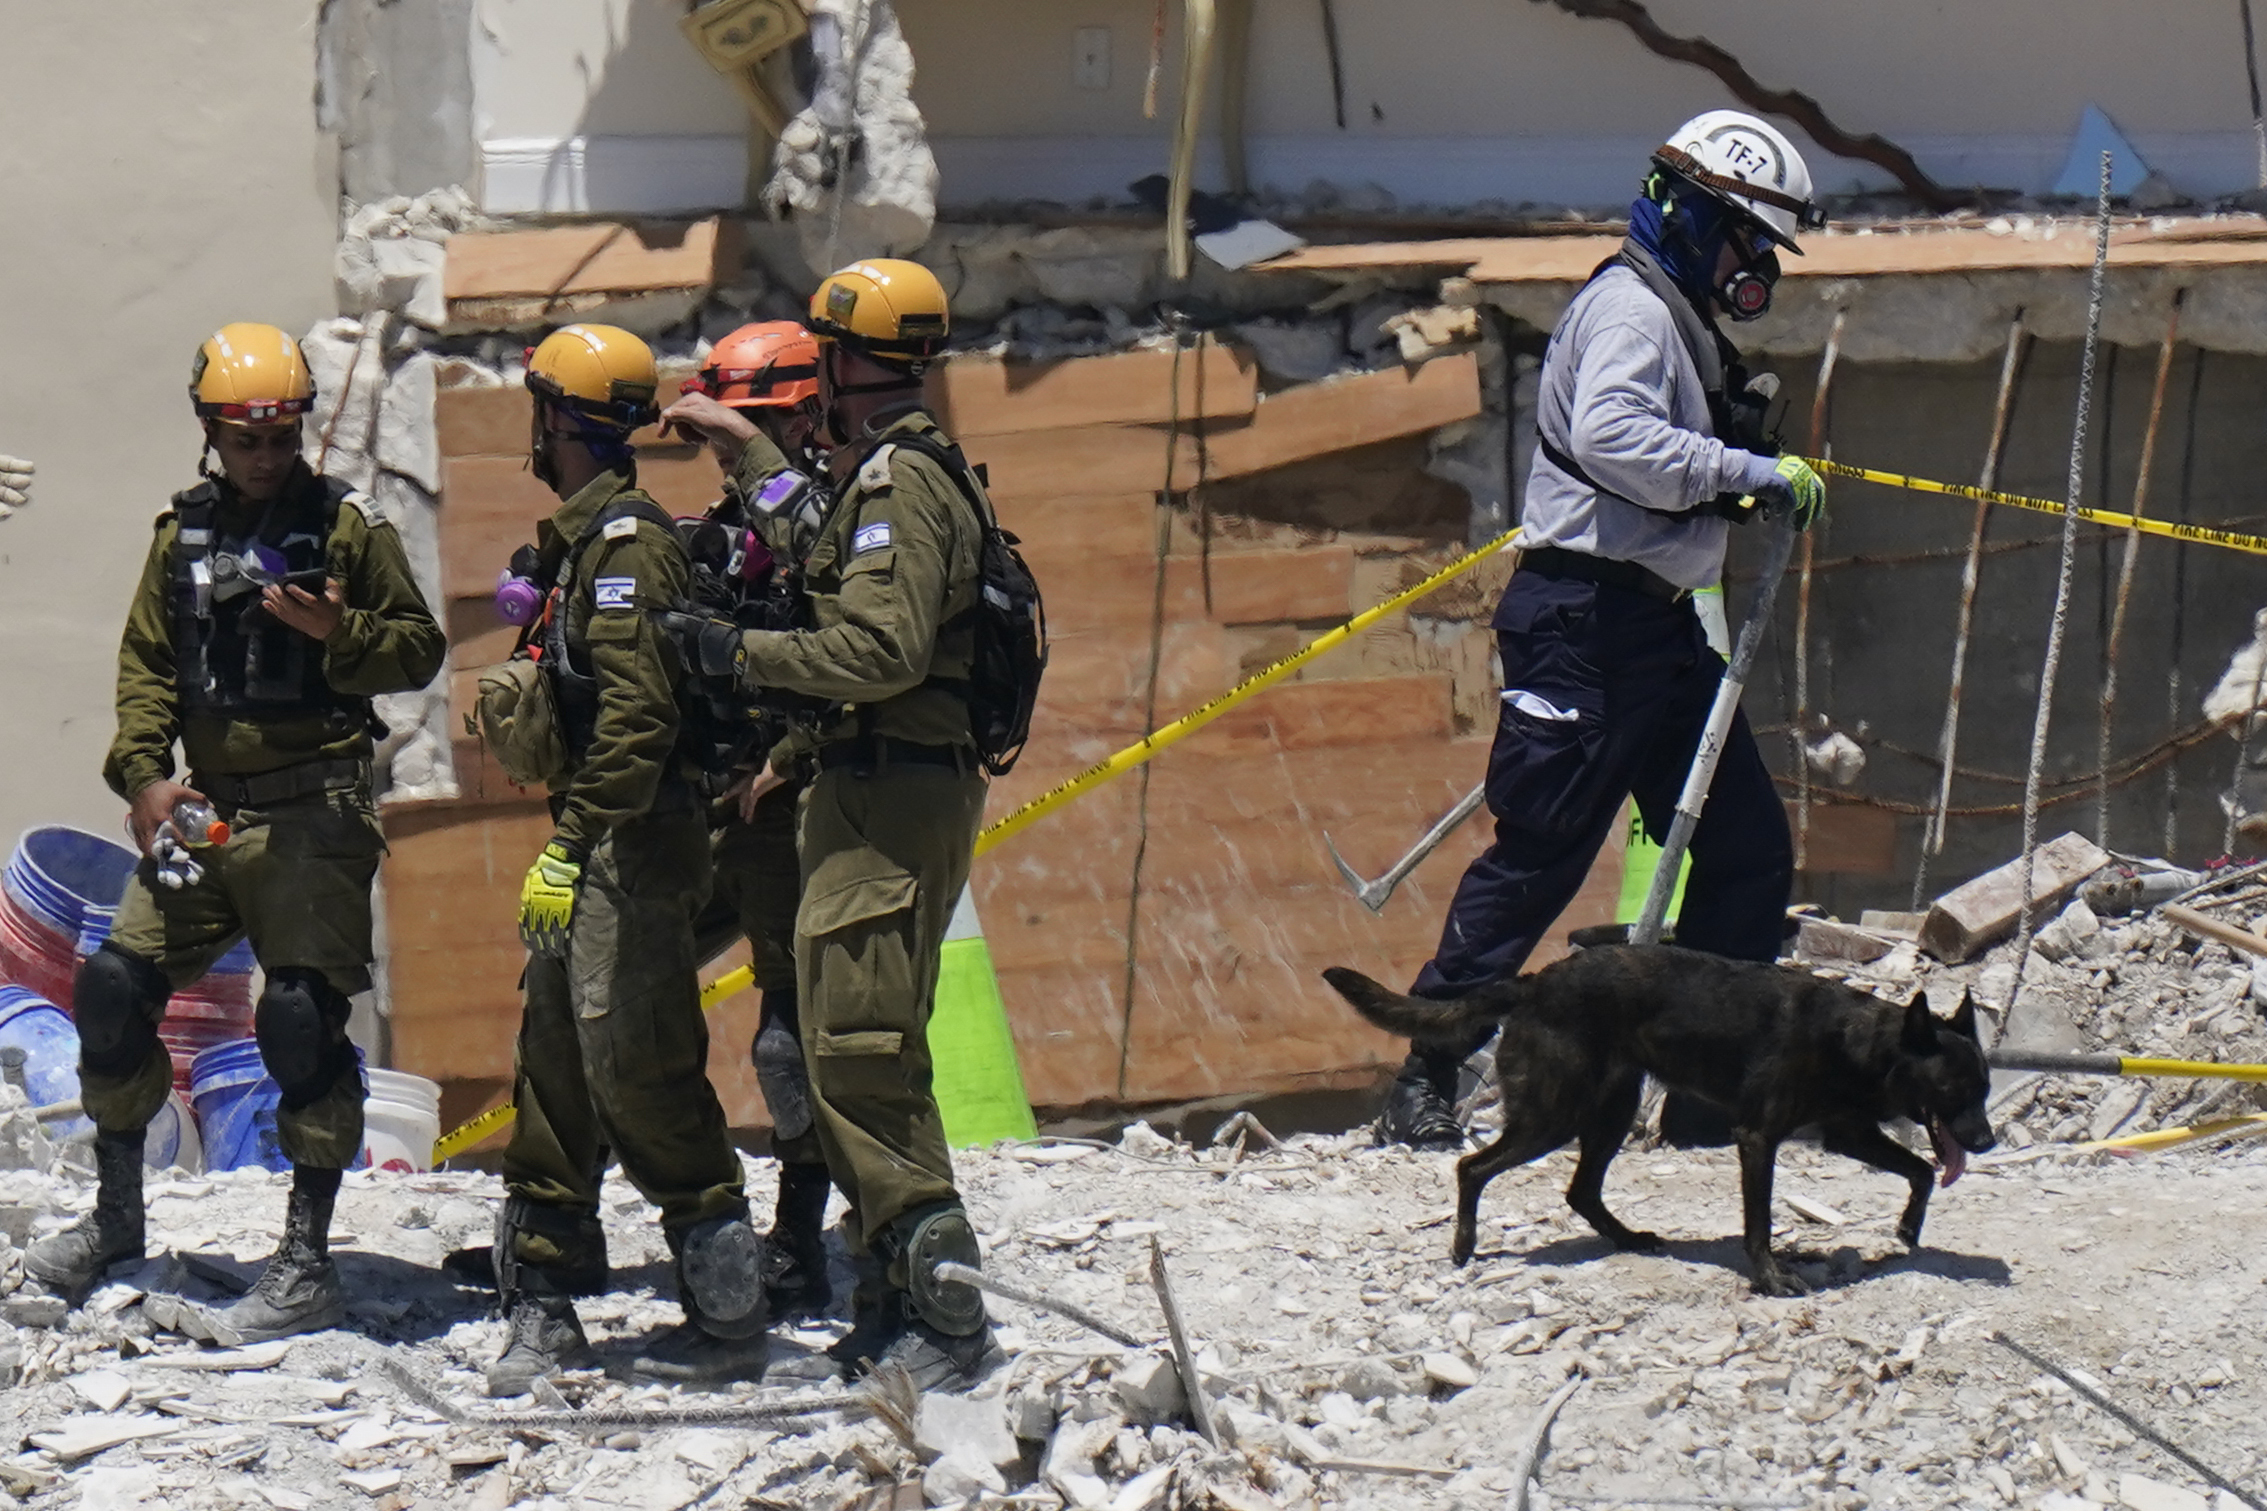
(547, 901)
(1797, 489)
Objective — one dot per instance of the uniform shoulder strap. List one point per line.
(1701, 341)
(194, 506)
(954, 461)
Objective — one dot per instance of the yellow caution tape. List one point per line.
(465, 1135)
(2203, 535)
(1189, 723)
(2173, 1138)
(457, 1140)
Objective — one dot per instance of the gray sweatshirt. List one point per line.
(1620, 395)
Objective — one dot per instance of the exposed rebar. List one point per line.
(2126, 564)
(1948, 742)
(1799, 727)
(2026, 914)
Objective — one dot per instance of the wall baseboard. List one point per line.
(634, 175)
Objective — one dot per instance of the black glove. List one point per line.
(713, 646)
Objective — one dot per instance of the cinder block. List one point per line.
(1972, 915)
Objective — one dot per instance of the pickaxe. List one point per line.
(1374, 893)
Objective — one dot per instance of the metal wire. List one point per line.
(2061, 621)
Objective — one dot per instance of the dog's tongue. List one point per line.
(1951, 1159)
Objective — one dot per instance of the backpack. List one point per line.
(1009, 619)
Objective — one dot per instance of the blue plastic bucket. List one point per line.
(236, 1106)
(50, 1042)
(69, 879)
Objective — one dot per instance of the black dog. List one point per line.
(1777, 1049)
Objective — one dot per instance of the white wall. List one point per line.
(1447, 100)
(163, 176)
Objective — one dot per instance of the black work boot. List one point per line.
(689, 1354)
(721, 1264)
(934, 1328)
(894, 1332)
(299, 1291)
(576, 1242)
(542, 1337)
(795, 1258)
(1418, 1115)
(71, 1262)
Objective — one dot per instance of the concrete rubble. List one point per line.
(853, 169)
(1349, 1364)
(372, 427)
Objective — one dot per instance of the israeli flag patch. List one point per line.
(616, 592)
(870, 538)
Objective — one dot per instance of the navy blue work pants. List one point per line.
(1606, 691)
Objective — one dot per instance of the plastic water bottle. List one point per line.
(197, 825)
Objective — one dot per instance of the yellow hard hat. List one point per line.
(249, 374)
(601, 373)
(885, 308)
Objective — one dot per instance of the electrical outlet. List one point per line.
(1090, 57)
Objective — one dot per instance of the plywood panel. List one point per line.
(490, 506)
(452, 923)
(1848, 839)
(981, 395)
(1108, 460)
(591, 257)
(1339, 413)
(1339, 711)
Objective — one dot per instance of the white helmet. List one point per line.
(1751, 166)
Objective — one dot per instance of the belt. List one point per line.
(308, 779)
(873, 753)
(1552, 561)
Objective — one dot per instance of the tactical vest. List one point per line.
(233, 659)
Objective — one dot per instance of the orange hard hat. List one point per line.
(772, 364)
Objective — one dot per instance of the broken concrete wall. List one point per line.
(853, 167)
(394, 85)
(373, 427)
(1884, 596)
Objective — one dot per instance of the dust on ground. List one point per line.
(1328, 1321)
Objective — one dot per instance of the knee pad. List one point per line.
(300, 1023)
(720, 1276)
(118, 1000)
(932, 1237)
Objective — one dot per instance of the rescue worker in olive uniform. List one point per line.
(273, 606)
(889, 822)
(762, 379)
(613, 1053)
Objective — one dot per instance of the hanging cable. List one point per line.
(2060, 622)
